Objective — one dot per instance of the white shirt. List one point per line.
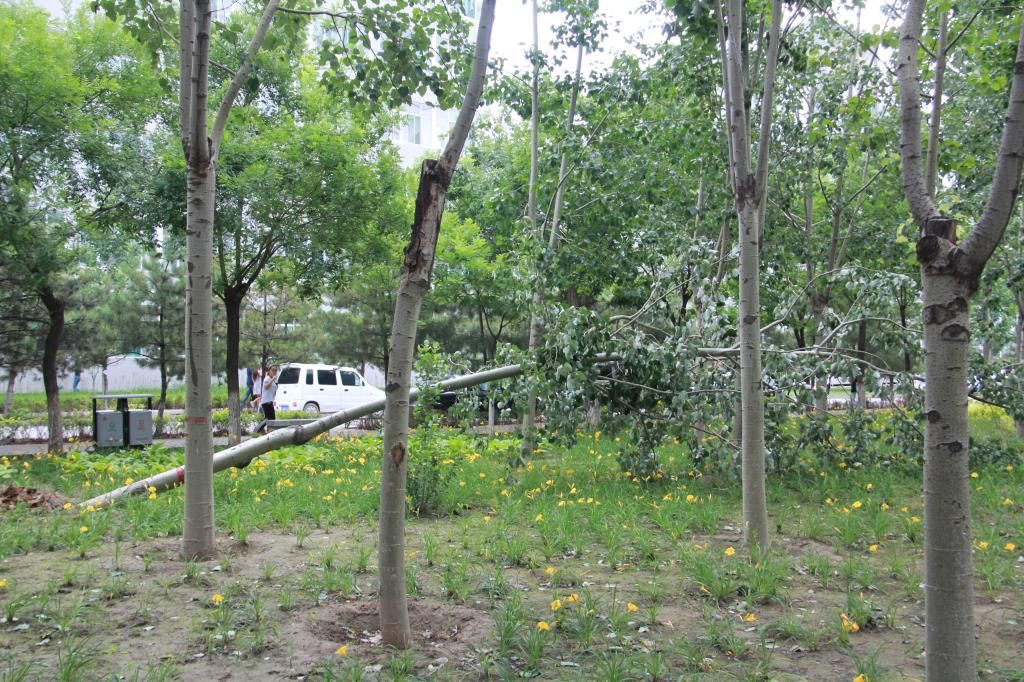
(269, 390)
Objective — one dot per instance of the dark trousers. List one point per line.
(268, 410)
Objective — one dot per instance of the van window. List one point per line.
(309, 377)
(350, 379)
(326, 377)
(289, 375)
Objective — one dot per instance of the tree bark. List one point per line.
(536, 324)
(233, 311)
(12, 376)
(862, 343)
(950, 275)
(749, 184)
(55, 312)
(417, 267)
(198, 535)
(200, 146)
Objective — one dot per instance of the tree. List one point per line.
(157, 282)
(62, 166)
(309, 182)
(417, 267)
(950, 273)
(749, 184)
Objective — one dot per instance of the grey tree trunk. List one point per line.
(414, 284)
(198, 535)
(749, 184)
(950, 275)
(233, 313)
(536, 329)
(200, 146)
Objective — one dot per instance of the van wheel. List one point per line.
(311, 408)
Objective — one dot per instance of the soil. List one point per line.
(30, 497)
(140, 610)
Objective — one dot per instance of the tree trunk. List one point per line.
(233, 310)
(536, 325)
(55, 312)
(862, 343)
(12, 376)
(1019, 422)
(198, 536)
(949, 581)
(414, 284)
(755, 505)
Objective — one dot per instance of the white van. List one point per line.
(322, 388)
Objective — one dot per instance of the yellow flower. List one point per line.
(487, 519)
(750, 617)
(872, 548)
(829, 500)
(857, 504)
(1009, 468)
(543, 626)
(982, 545)
(1009, 547)
(1007, 502)
(632, 608)
(68, 505)
(974, 474)
(342, 650)
(869, 487)
(861, 678)
(217, 599)
(3, 584)
(690, 499)
(729, 551)
(151, 496)
(83, 529)
(550, 570)
(915, 519)
(572, 598)
(904, 509)
(556, 604)
(539, 517)
(849, 625)
(885, 505)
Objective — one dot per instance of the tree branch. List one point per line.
(243, 72)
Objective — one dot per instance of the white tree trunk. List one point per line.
(198, 536)
(950, 275)
(949, 582)
(755, 505)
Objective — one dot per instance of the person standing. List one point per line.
(269, 392)
(248, 386)
(257, 388)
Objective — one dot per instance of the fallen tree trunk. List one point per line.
(243, 453)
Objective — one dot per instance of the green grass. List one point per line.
(629, 578)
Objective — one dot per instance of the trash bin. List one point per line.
(121, 427)
(140, 427)
(109, 428)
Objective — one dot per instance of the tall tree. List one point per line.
(749, 184)
(950, 272)
(62, 164)
(414, 283)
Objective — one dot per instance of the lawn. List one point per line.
(567, 569)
